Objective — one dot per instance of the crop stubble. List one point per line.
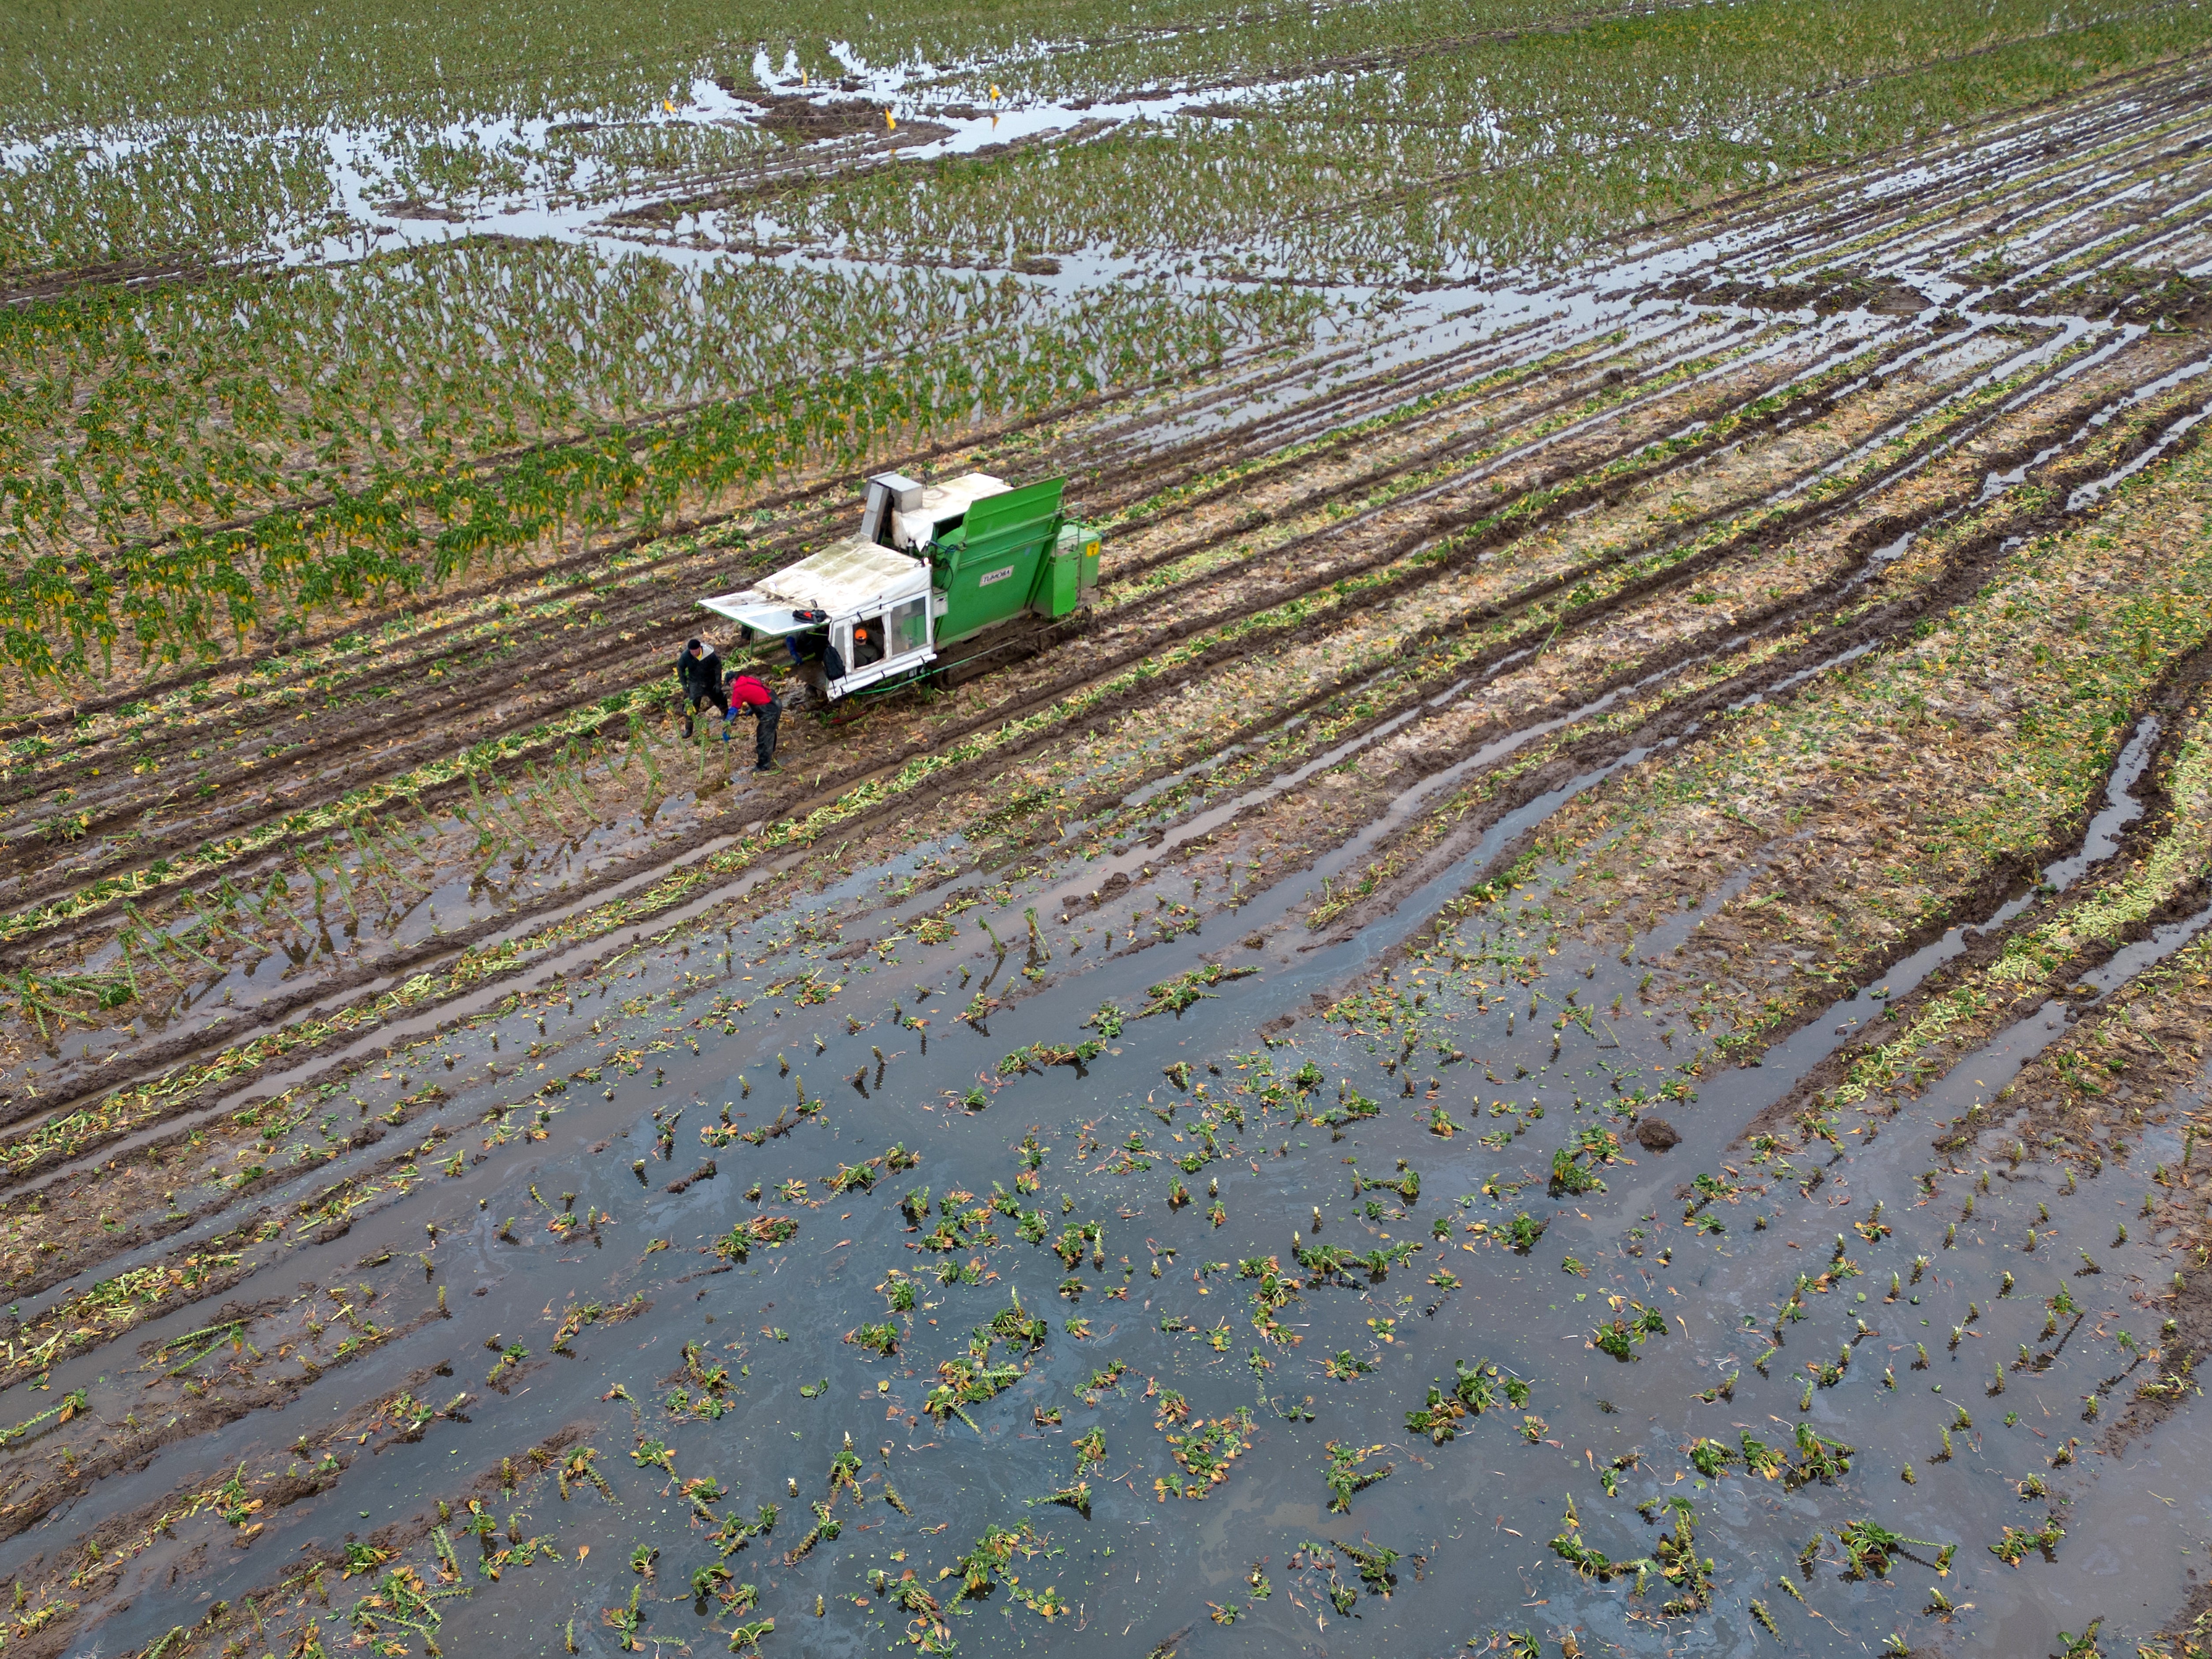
(1273, 619)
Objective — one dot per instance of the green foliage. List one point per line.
(1345, 1477)
(1476, 1389)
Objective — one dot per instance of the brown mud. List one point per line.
(1425, 690)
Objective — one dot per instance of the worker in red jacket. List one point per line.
(753, 696)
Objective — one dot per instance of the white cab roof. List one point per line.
(941, 501)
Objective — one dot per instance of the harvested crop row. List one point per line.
(294, 997)
(1990, 780)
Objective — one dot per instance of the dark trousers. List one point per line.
(764, 720)
(693, 699)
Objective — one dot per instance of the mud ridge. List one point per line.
(1969, 571)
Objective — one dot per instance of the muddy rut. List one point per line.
(1693, 775)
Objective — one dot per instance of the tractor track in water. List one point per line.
(645, 615)
(1423, 697)
(620, 662)
(1852, 442)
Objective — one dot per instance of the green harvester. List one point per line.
(943, 579)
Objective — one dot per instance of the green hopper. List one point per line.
(941, 578)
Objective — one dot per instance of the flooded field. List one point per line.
(1569, 1018)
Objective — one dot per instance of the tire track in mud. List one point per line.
(2077, 875)
(640, 620)
(908, 804)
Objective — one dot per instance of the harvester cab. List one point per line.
(973, 563)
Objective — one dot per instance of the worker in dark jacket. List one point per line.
(699, 675)
(752, 694)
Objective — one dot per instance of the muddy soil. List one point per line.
(1568, 1016)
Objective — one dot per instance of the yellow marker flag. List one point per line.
(994, 95)
(670, 107)
(890, 119)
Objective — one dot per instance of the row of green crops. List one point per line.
(1495, 152)
(201, 196)
(119, 535)
(425, 62)
(165, 132)
(1745, 46)
(1406, 143)
(126, 408)
(124, 415)
(566, 162)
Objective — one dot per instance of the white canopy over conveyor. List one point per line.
(843, 578)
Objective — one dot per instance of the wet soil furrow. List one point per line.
(1999, 1000)
(615, 651)
(915, 803)
(1424, 695)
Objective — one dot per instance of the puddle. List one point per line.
(1167, 1561)
(1474, 1065)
